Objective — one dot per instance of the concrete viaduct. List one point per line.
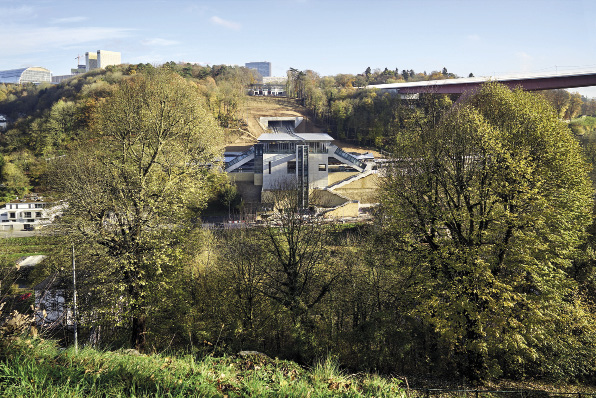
(529, 82)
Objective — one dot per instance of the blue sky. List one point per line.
(484, 37)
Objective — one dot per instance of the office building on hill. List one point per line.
(93, 60)
(264, 68)
(90, 61)
(101, 59)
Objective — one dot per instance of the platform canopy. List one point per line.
(306, 137)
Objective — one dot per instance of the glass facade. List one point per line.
(264, 68)
(302, 174)
(279, 147)
(34, 75)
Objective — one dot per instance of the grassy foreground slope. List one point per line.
(36, 368)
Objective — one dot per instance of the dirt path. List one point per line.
(257, 107)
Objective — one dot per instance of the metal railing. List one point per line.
(479, 393)
(349, 157)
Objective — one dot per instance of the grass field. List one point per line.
(14, 248)
(36, 368)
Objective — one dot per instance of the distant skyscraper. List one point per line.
(264, 68)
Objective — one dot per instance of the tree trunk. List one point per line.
(139, 329)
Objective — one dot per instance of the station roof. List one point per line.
(315, 136)
(278, 137)
(299, 137)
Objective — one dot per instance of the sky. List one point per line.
(483, 37)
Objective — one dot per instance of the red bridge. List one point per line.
(529, 82)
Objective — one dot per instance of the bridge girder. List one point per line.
(459, 86)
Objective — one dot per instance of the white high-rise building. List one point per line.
(107, 58)
(101, 59)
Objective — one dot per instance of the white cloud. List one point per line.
(69, 20)
(159, 42)
(20, 39)
(225, 24)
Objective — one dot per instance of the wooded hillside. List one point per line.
(478, 265)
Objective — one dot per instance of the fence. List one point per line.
(476, 393)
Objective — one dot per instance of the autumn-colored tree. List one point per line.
(489, 206)
(131, 187)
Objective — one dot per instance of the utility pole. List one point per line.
(74, 300)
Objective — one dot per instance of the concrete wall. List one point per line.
(325, 198)
(361, 195)
(338, 176)
(317, 178)
(301, 127)
(237, 177)
(278, 177)
(364, 190)
(350, 209)
(264, 121)
(255, 178)
(371, 181)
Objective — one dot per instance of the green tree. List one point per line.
(575, 106)
(130, 188)
(229, 196)
(489, 206)
(242, 266)
(59, 125)
(559, 99)
(297, 270)
(367, 73)
(15, 181)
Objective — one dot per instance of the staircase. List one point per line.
(347, 158)
(240, 160)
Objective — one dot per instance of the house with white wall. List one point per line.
(26, 214)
